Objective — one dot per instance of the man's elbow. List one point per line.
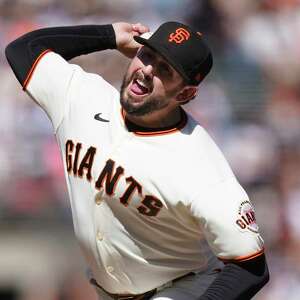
(9, 49)
(17, 58)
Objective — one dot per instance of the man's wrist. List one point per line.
(107, 33)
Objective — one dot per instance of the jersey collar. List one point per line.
(145, 131)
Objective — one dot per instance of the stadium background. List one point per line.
(250, 104)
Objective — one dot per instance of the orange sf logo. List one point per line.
(179, 36)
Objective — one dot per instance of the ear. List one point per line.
(186, 94)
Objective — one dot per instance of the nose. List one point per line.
(148, 71)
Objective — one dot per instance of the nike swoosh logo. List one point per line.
(98, 118)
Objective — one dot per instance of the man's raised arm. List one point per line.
(69, 42)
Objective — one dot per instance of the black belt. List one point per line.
(144, 296)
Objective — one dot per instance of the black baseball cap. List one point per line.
(183, 48)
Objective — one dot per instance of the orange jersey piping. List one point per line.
(30, 73)
(243, 258)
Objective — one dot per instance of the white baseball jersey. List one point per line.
(147, 206)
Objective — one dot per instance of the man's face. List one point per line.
(150, 84)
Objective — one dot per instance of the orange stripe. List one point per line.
(160, 132)
(33, 68)
(243, 258)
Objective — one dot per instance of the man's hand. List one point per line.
(124, 37)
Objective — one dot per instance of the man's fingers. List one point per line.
(140, 28)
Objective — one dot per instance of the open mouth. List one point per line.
(140, 88)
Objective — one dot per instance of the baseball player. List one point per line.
(157, 211)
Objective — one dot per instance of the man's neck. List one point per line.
(158, 119)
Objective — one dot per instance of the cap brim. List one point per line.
(163, 52)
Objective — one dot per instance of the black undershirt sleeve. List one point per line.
(68, 41)
(239, 281)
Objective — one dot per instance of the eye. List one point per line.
(146, 56)
(165, 70)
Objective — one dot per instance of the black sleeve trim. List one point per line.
(68, 41)
(239, 281)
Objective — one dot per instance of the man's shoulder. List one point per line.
(79, 78)
(200, 146)
(194, 130)
(92, 81)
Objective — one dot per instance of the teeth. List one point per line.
(141, 83)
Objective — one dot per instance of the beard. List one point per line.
(150, 104)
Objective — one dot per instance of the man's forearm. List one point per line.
(239, 281)
(68, 41)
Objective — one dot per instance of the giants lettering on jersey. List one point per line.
(80, 165)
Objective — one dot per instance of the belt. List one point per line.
(144, 296)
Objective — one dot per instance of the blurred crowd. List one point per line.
(250, 104)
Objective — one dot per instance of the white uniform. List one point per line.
(147, 207)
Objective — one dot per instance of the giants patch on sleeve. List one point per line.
(246, 217)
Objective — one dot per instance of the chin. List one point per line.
(130, 106)
(139, 105)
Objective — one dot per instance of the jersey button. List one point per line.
(98, 198)
(99, 236)
(109, 269)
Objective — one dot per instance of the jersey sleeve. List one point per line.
(48, 83)
(227, 218)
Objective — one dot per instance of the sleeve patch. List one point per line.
(246, 217)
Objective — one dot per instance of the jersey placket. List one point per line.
(107, 254)
(105, 223)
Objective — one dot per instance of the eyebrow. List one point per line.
(160, 59)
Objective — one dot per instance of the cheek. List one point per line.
(159, 87)
(133, 67)
(163, 89)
